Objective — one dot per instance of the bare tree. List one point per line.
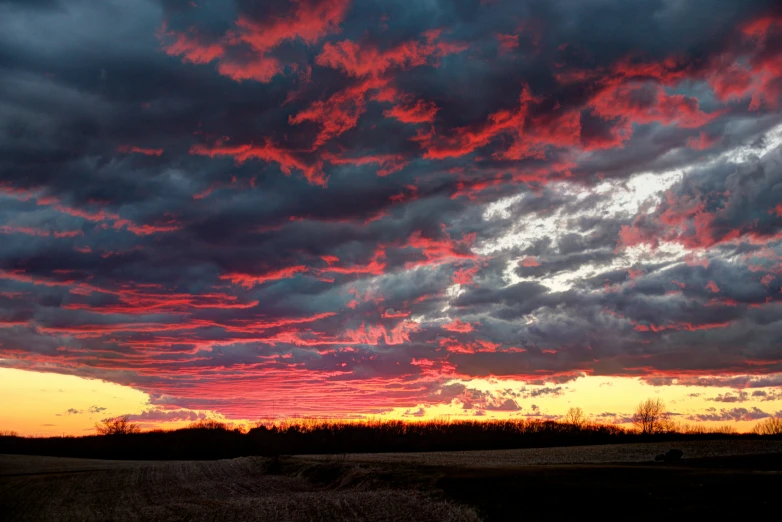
(116, 426)
(575, 417)
(770, 426)
(650, 416)
(208, 424)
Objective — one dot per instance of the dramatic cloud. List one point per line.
(333, 207)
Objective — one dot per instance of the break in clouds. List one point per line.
(337, 207)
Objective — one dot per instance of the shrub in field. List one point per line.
(117, 426)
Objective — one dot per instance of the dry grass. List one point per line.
(608, 453)
(51, 488)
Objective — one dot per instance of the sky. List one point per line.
(475, 209)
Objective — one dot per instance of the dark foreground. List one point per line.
(254, 488)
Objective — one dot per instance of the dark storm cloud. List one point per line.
(224, 201)
(31, 4)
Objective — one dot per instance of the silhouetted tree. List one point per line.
(116, 426)
(650, 416)
(770, 426)
(575, 417)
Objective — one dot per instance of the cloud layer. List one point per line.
(340, 207)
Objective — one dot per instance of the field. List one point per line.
(52, 488)
(603, 454)
(717, 479)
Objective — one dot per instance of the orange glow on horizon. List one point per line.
(51, 404)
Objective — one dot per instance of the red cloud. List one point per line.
(339, 113)
(464, 276)
(402, 197)
(680, 326)
(713, 287)
(131, 149)
(439, 251)
(374, 267)
(465, 140)
(507, 42)
(372, 335)
(761, 77)
(419, 111)
(30, 231)
(266, 152)
(261, 69)
(358, 61)
(76, 287)
(477, 346)
(472, 188)
(250, 280)
(141, 301)
(457, 325)
(389, 163)
(68, 233)
(531, 137)
(643, 103)
(557, 130)
(101, 215)
(190, 46)
(253, 325)
(759, 27)
(635, 273)
(146, 230)
(702, 142)
(669, 71)
(732, 82)
(530, 261)
(308, 20)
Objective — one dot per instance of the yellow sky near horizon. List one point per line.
(35, 403)
(50, 404)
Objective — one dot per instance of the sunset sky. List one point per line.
(475, 208)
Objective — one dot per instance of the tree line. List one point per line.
(120, 438)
